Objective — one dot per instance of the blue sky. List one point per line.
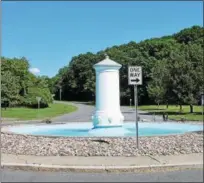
(50, 33)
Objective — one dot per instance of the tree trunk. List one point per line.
(24, 91)
(191, 108)
(167, 105)
(180, 108)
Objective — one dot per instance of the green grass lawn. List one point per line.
(22, 113)
(173, 112)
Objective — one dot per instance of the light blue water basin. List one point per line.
(84, 129)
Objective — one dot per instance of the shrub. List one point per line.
(31, 101)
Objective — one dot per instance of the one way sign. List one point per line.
(134, 75)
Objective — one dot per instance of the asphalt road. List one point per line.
(193, 175)
(84, 113)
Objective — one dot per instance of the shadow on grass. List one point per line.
(155, 109)
(128, 112)
(90, 103)
(196, 113)
(172, 113)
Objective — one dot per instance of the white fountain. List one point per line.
(107, 118)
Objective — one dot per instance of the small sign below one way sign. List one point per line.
(135, 75)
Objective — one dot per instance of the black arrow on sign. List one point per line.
(137, 80)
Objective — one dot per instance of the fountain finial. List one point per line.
(106, 56)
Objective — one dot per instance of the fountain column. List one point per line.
(107, 113)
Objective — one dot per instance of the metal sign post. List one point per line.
(136, 116)
(135, 78)
(130, 102)
(38, 99)
(60, 93)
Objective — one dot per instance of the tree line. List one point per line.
(19, 87)
(172, 70)
(172, 73)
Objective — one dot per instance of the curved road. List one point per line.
(194, 175)
(85, 111)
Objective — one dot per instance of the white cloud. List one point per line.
(34, 70)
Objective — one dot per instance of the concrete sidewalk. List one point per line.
(76, 163)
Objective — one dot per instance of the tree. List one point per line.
(189, 35)
(78, 78)
(17, 82)
(180, 83)
(10, 88)
(157, 88)
(194, 55)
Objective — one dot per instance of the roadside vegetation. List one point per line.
(174, 112)
(24, 113)
(172, 71)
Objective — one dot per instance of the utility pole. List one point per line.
(130, 102)
(38, 99)
(60, 92)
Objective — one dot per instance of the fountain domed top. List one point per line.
(107, 62)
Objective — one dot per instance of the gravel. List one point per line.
(66, 146)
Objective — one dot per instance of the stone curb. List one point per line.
(7, 123)
(100, 169)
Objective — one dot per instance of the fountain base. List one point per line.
(108, 131)
(106, 119)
